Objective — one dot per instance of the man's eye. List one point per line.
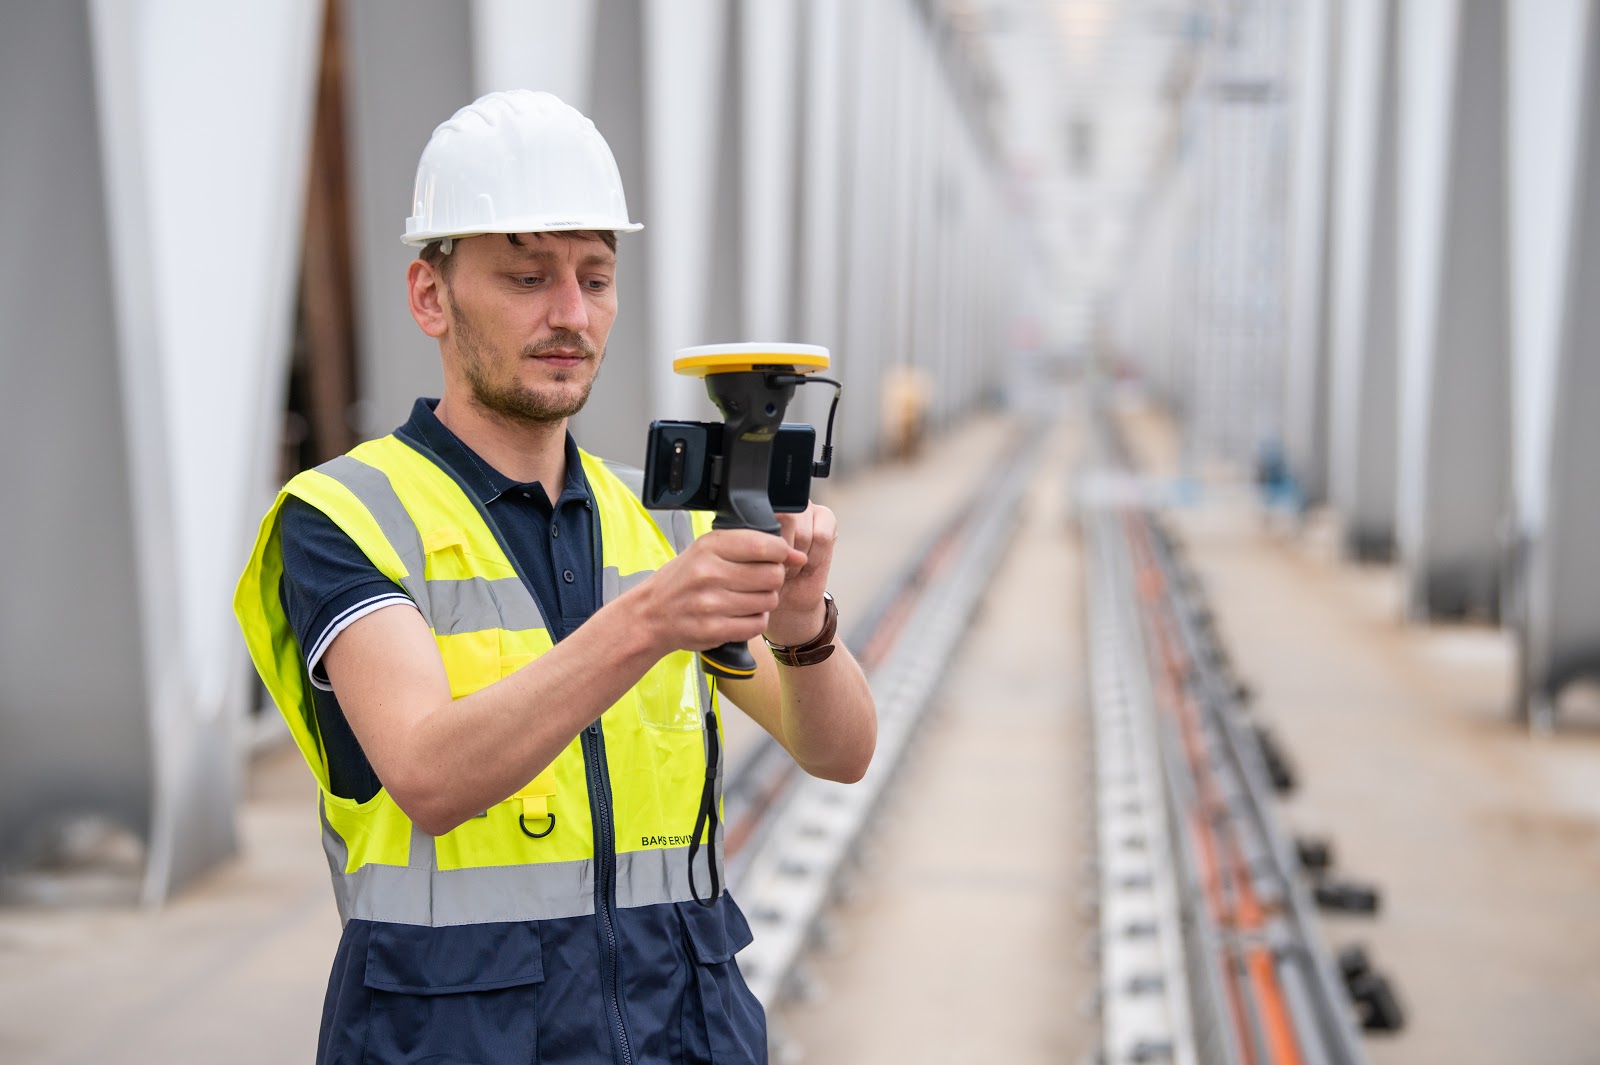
(528, 280)
(597, 285)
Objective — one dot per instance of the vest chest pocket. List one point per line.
(668, 697)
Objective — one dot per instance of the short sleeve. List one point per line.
(328, 582)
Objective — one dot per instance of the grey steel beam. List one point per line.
(1456, 428)
(1561, 639)
(614, 422)
(410, 68)
(1306, 376)
(74, 738)
(1363, 476)
(202, 355)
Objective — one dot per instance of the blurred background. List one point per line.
(1316, 278)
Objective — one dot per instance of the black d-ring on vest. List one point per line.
(522, 821)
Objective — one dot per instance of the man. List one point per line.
(483, 645)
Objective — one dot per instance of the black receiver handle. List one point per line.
(752, 404)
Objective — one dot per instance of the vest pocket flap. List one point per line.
(715, 933)
(418, 960)
(436, 540)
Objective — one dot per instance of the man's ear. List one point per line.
(425, 294)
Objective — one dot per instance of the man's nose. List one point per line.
(567, 307)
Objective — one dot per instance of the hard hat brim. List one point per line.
(581, 225)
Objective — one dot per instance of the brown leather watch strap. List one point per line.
(818, 648)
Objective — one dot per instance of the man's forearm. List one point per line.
(827, 716)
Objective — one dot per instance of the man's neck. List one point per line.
(522, 451)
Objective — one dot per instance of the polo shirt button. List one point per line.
(566, 575)
(555, 532)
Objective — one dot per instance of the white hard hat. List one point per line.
(516, 162)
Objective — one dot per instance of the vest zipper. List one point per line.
(605, 839)
(605, 881)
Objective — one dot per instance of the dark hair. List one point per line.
(433, 254)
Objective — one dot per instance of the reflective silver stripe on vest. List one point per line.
(478, 603)
(371, 485)
(613, 583)
(338, 856)
(402, 895)
(419, 894)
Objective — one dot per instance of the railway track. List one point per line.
(788, 836)
(1210, 950)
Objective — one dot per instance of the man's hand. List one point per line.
(822, 714)
(722, 589)
(798, 615)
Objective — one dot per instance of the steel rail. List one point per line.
(1145, 986)
(1260, 987)
(1313, 993)
(797, 833)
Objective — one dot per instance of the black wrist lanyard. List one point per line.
(708, 815)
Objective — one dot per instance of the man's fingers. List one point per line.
(751, 576)
(786, 528)
(801, 531)
(821, 534)
(722, 564)
(738, 604)
(745, 545)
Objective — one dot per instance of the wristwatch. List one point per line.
(818, 648)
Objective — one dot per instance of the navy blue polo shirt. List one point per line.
(328, 583)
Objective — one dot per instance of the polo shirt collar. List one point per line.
(482, 479)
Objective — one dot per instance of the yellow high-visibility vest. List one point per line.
(422, 530)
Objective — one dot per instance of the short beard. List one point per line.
(513, 402)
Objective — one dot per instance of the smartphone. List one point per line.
(683, 466)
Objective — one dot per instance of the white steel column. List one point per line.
(206, 189)
(615, 420)
(1310, 259)
(75, 739)
(1455, 324)
(1561, 624)
(409, 69)
(821, 194)
(868, 234)
(544, 47)
(1364, 427)
(770, 88)
(686, 73)
(904, 136)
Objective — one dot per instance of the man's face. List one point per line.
(529, 321)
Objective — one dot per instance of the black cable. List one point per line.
(778, 380)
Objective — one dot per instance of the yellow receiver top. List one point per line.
(732, 358)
